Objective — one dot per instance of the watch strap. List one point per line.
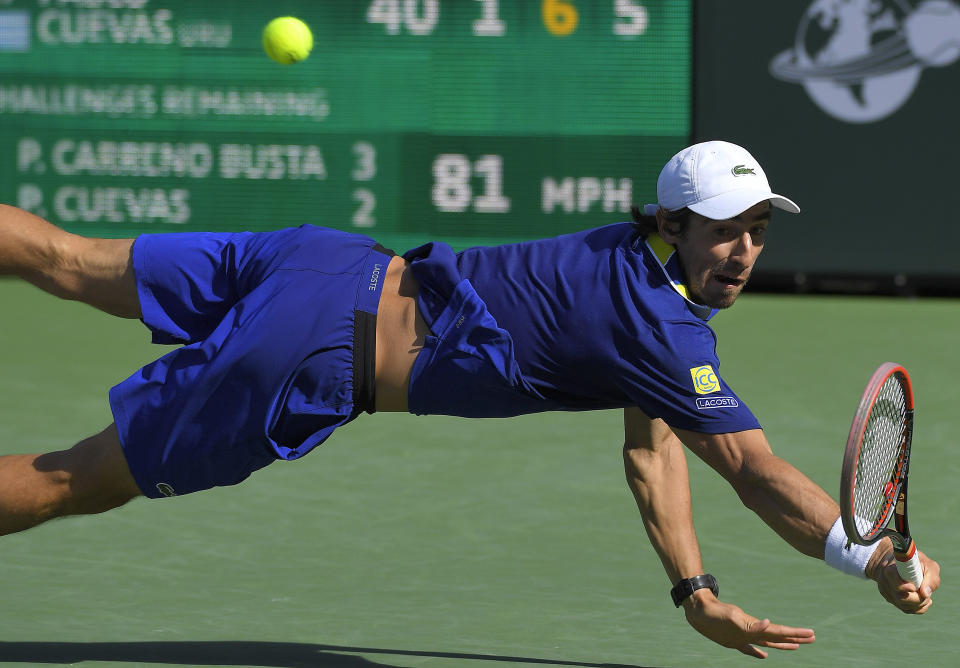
(687, 586)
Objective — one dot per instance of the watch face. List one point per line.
(680, 592)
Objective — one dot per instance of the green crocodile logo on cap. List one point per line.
(740, 170)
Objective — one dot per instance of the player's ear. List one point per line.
(669, 230)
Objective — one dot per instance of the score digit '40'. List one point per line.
(560, 17)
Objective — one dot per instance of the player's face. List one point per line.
(718, 255)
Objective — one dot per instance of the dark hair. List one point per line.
(646, 225)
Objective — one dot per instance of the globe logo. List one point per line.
(860, 60)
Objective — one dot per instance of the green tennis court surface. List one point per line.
(411, 541)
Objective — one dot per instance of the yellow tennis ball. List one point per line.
(287, 40)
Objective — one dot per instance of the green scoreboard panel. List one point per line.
(467, 120)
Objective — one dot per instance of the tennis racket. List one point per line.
(873, 483)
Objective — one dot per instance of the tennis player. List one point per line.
(284, 336)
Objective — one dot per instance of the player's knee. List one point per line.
(51, 498)
(94, 271)
(73, 491)
(92, 477)
(99, 272)
(88, 496)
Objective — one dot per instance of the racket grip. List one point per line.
(908, 565)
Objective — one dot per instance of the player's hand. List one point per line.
(904, 595)
(728, 625)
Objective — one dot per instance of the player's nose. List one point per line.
(744, 251)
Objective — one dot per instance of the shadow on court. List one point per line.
(227, 653)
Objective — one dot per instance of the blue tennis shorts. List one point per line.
(277, 334)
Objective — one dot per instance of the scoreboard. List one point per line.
(472, 121)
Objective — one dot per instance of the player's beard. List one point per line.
(719, 293)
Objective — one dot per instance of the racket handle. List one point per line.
(908, 565)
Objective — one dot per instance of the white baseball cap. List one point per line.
(718, 180)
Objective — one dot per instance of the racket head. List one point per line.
(877, 454)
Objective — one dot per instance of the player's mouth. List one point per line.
(729, 281)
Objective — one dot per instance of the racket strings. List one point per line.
(880, 460)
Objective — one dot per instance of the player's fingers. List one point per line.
(921, 607)
(902, 594)
(908, 593)
(782, 642)
(791, 640)
(755, 652)
(931, 576)
(787, 634)
(753, 628)
(907, 601)
(794, 634)
(912, 604)
(777, 636)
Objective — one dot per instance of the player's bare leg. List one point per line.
(91, 477)
(96, 271)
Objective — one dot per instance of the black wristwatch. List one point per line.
(687, 586)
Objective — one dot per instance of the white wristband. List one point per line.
(851, 560)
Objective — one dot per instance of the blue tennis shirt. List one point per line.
(597, 319)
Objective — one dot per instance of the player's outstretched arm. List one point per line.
(788, 501)
(95, 271)
(656, 469)
(798, 509)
